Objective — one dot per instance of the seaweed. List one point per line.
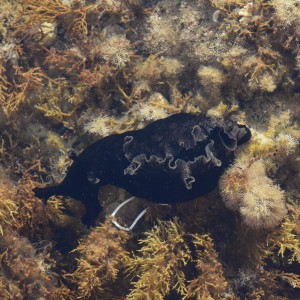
(74, 71)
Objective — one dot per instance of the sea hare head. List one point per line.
(233, 135)
(244, 134)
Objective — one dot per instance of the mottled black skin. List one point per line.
(105, 160)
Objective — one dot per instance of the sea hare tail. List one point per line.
(47, 192)
(89, 198)
(93, 209)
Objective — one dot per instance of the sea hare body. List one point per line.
(171, 160)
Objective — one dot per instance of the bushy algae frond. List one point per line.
(285, 241)
(8, 207)
(210, 283)
(21, 86)
(160, 262)
(4, 84)
(246, 188)
(33, 219)
(26, 271)
(100, 256)
(37, 12)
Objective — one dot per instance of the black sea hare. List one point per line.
(171, 160)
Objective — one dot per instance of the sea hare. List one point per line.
(171, 160)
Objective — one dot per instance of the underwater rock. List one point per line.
(171, 160)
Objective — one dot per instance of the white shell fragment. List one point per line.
(216, 15)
